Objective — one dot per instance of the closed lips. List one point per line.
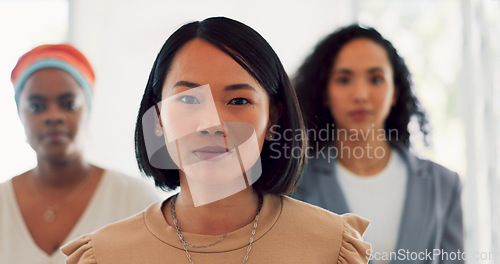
(55, 135)
(210, 152)
(360, 114)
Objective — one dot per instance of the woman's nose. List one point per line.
(210, 122)
(360, 91)
(54, 116)
(216, 131)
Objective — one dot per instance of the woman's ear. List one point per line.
(158, 123)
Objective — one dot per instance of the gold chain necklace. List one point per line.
(185, 243)
(49, 215)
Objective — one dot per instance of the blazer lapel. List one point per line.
(417, 205)
(329, 191)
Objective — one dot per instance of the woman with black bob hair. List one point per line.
(357, 90)
(215, 92)
(279, 176)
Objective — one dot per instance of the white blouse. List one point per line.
(117, 197)
(379, 198)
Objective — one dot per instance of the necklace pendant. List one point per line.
(49, 215)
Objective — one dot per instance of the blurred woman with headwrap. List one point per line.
(64, 196)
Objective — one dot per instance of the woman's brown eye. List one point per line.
(376, 80)
(343, 80)
(239, 101)
(36, 107)
(71, 105)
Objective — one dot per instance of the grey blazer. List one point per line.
(432, 213)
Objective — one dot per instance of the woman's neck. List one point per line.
(63, 173)
(220, 217)
(365, 156)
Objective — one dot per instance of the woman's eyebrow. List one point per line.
(66, 96)
(231, 87)
(239, 86)
(35, 97)
(186, 84)
(343, 71)
(375, 69)
(347, 71)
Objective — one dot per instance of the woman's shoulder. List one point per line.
(422, 166)
(111, 240)
(86, 248)
(80, 250)
(342, 231)
(6, 184)
(304, 212)
(7, 198)
(427, 167)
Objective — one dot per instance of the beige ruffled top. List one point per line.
(289, 231)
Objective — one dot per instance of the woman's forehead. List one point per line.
(361, 52)
(202, 63)
(51, 82)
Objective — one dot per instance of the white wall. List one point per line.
(122, 38)
(23, 25)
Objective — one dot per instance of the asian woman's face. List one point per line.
(215, 116)
(361, 89)
(53, 110)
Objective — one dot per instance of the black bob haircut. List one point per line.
(280, 175)
(311, 81)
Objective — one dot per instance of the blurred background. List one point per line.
(452, 48)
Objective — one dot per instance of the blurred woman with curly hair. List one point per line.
(358, 101)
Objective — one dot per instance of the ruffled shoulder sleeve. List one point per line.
(80, 251)
(353, 248)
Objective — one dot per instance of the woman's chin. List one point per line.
(212, 172)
